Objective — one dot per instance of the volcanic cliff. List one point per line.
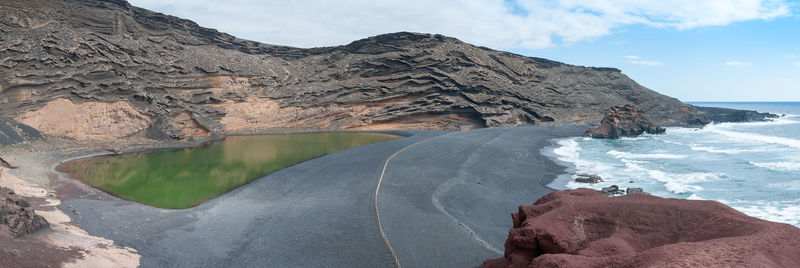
(90, 69)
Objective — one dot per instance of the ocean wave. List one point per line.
(637, 138)
(567, 150)
(757, 137)
(677, 183)
(775, 212)
(776, 121)
(778, 166)
(789, 185)
(722, 151)
(695, 197)
(620, 155)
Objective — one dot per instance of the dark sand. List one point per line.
(443, 203)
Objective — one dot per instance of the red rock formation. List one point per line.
(624, 121)
(585, 228)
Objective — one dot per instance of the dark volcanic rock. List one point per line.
(107, 51)
(635, 191)
(92, 51)
(585, 228)
(16, 215)
(588, 178)
(624, 121)
(716, 114)
(12, 132)
(612, 190)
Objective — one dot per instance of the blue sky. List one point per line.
(712, 50)
(755, 60)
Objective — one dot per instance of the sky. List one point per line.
(694, 50)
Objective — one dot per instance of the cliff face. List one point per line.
(158, 74)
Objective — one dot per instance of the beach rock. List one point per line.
(624, 121)
(631, 191)
(585, 228)
(16, 215)
(588, 178)
(612, 190)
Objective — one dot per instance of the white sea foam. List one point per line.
(673, 142)
(780, 166)
(757, 137)
(773, 212)
(677, 183)
(640, 137)
(788, 185)
(722, 151)
(567, 150)
(620, 155)
(695, 197)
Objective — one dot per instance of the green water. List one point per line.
(184, 178)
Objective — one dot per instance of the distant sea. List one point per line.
(752, 167)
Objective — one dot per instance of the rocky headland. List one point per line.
(624, 121)
(99, 70)
(587, 228)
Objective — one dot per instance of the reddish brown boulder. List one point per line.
(624, 121)
(586, 228)
(16, 215)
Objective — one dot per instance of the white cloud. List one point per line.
(734, 63)
(647, 62)
(797, 63)
(527, 24)
(638, 60)
(789, 56)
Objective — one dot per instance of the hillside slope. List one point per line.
(90, 69)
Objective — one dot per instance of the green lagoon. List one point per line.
(184, 178)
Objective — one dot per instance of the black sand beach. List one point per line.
(443, 203)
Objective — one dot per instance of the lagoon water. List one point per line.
(753, 167)
(187, 177)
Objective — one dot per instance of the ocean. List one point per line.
(752, 167)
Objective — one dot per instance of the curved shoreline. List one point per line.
(272, 217)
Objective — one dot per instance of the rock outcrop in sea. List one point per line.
(101, 70)
(586, 228)
(17, 216)
(624, 121)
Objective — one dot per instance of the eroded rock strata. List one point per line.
(147, 72)
(586, 228)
